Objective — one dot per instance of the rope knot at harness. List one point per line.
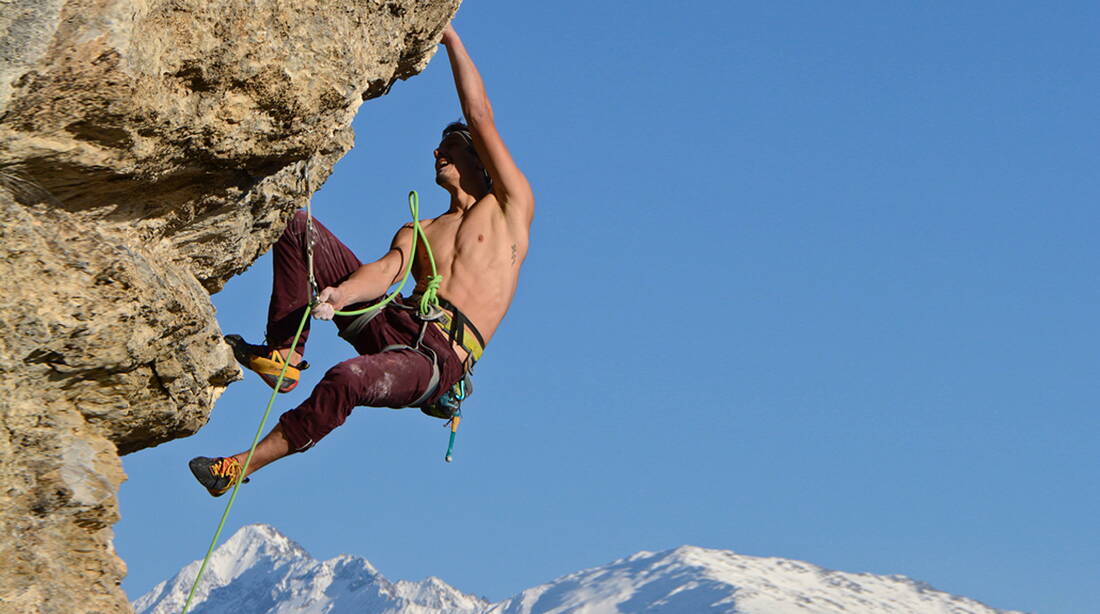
(429, 299)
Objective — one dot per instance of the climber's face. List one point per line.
(457, 165)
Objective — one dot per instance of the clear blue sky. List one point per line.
(807, 280)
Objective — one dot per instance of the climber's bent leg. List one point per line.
(333, 262)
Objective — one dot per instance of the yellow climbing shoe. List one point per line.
(267, 363)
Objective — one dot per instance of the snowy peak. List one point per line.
(698, 580)
(263, 536)
(437, 596)
(246, 559)
(252, 545)
(261, 571)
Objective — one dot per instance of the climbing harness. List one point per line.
(448, 405)
(428, 310)
(455, 325)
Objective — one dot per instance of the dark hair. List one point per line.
(457, 127)
(463, 131)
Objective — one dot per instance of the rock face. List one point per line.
(149, 150)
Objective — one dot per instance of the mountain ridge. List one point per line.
(261, 571)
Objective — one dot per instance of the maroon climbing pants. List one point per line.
(374, 378)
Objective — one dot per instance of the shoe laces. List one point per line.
(227, 467)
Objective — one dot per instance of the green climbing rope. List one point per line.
(429, 299)
(244, 468)
(427, 302)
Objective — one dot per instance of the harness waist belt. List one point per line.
(455, 325)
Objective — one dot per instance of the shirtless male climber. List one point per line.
(479, 245)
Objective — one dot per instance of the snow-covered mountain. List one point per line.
(260, 571)
(690, 580)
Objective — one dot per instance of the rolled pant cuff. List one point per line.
(296, 436)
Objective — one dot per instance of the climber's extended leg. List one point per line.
(390, 379)
(333, 262)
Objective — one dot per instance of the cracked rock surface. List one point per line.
(149, 151)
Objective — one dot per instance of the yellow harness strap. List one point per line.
(469, 342)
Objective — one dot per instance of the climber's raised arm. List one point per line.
(509, 184)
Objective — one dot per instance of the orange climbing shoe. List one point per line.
(267, 363)
(217, 475)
